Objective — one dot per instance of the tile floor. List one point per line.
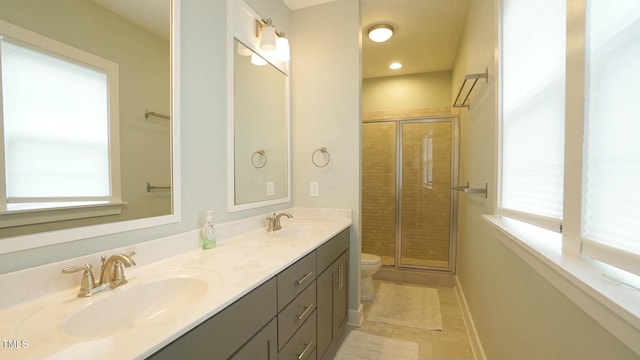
(451, 343)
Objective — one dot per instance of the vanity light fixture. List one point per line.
(380, 32)
(272, 40)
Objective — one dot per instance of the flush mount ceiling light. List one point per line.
(380, 32)
(395, 66)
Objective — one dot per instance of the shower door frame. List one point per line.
(453, 194)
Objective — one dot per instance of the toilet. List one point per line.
(369, 265)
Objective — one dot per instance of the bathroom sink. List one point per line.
(133, 306)
(147, 300)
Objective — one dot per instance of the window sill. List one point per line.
(46, 215)
(584, 281)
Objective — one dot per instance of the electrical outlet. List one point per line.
(270, 188)
(314, 189)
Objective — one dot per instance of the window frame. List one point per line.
(60, 211)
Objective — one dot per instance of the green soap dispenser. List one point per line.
(208, 234)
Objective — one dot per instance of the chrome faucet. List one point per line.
(274, 221)
(111, 274)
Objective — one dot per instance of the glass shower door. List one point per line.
(425, 194)
(379, 206)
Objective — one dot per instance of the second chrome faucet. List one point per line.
(111, 274)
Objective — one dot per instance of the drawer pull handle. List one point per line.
(304, 278)
(303, 354)
(306, 310)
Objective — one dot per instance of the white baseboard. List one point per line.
(356, 317)
(474, 339)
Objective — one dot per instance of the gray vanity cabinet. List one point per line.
(293, 316)
(332, 289)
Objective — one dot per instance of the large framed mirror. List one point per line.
(138, 42)
(259, 142)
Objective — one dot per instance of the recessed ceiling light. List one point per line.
(395, 66)
(380, 32)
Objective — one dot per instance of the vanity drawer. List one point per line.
(302, 345)
(296, 278)
(295, 314)
(328, 252)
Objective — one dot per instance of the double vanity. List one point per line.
(258, 295)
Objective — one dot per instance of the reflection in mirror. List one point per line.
(261, 145)
(139, 152)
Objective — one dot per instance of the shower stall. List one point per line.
(409, 168)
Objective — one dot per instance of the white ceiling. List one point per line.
(425, 40)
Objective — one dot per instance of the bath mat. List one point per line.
(362, 346)
(406, 305)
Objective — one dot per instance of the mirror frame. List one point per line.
(25, 242)
(241, 27)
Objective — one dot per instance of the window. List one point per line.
(533, 110)
(610, 225)
(551, 176)
(62, 152)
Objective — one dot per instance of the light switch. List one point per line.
(314, 189)
(270, 188)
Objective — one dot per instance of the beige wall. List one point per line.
(325, 70)
(518, 314)
(429, 92)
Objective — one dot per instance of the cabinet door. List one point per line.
(262, 346)
(324, 306)
(340, 292)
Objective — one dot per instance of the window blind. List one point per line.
(59, 149)
(610, 227)
(533, 69)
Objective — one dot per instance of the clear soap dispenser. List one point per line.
(208, 235)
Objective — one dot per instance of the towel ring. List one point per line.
(324, 151)
(253, 159)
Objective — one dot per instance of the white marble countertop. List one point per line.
(34, 329)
